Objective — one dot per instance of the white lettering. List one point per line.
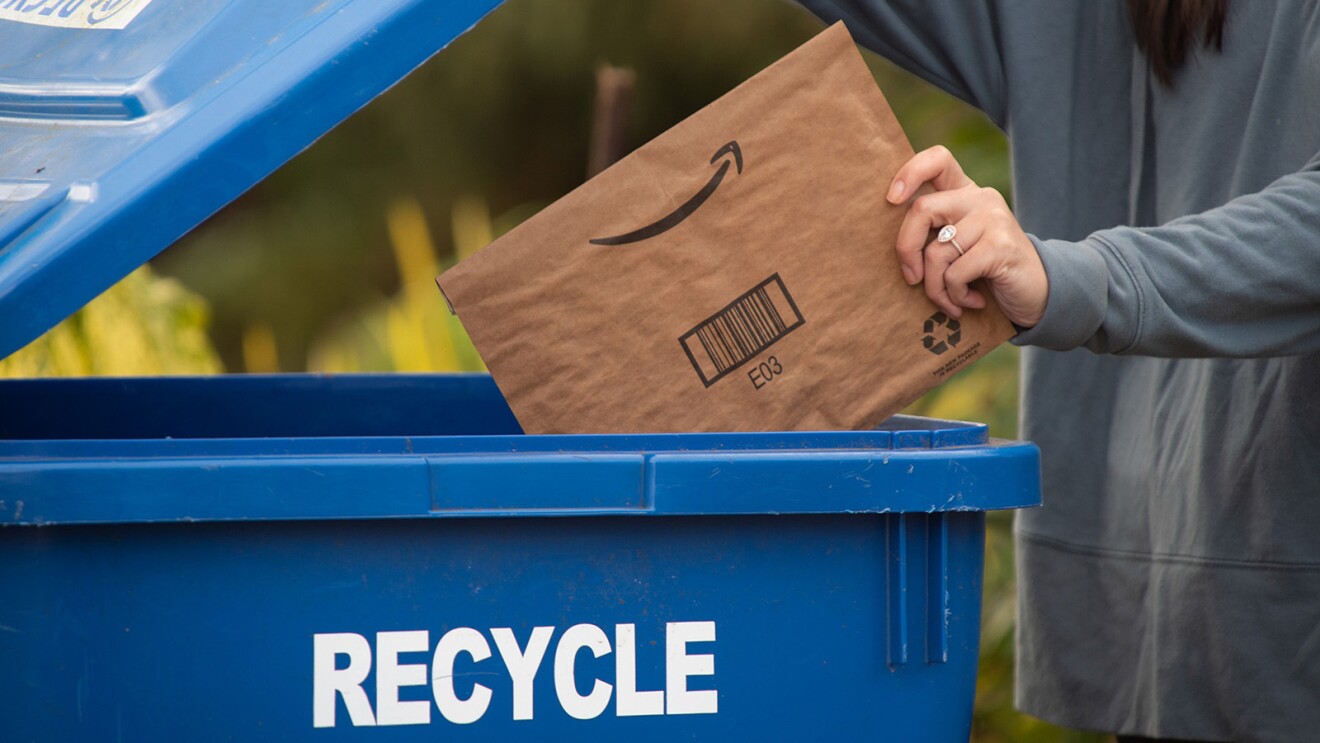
(679, 666)
(629, 702)
(522, 665)
(575, 638)
(327, 681)
(330, 683)
(390, 676)
(455, 641)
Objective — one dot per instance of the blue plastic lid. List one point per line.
(125, 123)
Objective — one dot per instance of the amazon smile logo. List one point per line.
(672, 220)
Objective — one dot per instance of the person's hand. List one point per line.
(993, 245)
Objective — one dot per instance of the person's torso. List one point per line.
(1208, 459)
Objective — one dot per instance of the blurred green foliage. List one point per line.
(328, 264)
(144, 324)
(413, 331)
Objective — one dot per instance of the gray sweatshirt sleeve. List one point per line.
(953, 44)
(1241, 280)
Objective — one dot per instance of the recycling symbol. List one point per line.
(942, 333)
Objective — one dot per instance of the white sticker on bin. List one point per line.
(106, 14)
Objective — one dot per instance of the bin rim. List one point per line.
(910, 465)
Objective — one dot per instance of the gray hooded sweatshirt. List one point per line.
(1170, 585)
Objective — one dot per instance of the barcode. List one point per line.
(742, 329)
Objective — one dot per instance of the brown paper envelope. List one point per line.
(737, 273)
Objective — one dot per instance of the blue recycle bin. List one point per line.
(388, 557)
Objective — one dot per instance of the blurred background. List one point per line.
(328, 265)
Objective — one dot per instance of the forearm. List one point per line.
(1242, 280)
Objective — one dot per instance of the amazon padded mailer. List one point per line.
(737, 273)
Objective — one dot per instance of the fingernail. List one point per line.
(896, 192)
(911, 277)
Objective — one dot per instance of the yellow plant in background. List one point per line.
(143, 325)
(986, 391)
(413, 331)
(260, 352)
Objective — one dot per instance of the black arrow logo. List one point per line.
(691, 205)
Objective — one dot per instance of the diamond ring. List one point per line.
(946, 235)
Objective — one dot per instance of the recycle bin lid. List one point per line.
(125, 123)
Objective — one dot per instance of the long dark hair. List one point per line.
(1167, 31)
